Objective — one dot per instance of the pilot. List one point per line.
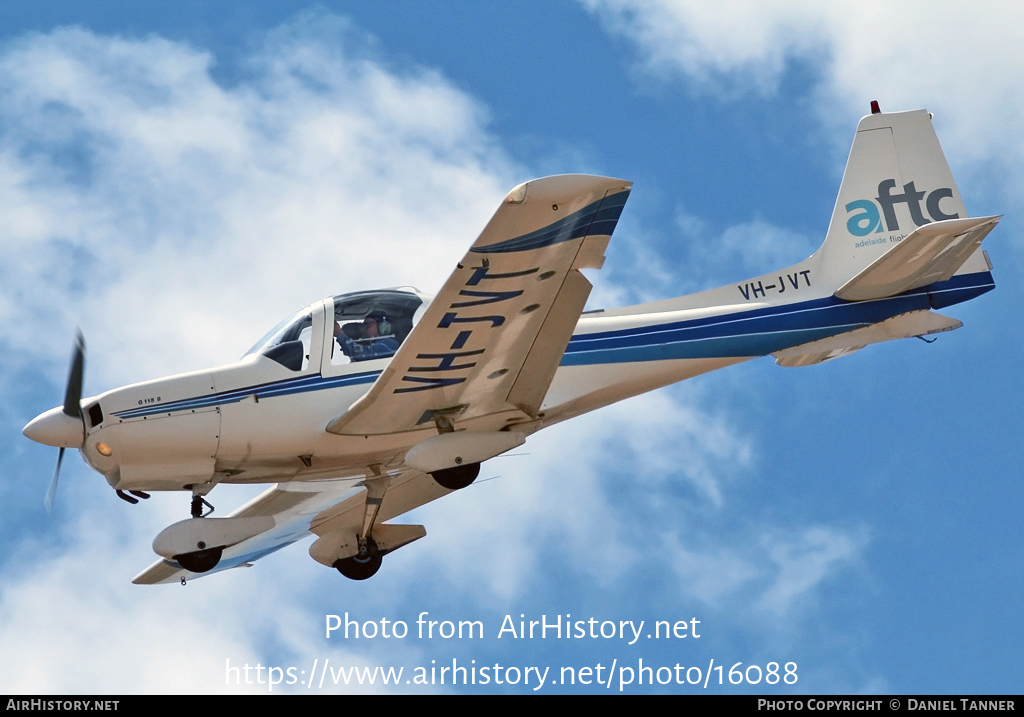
(376, 330)
(347, 337)
(367, 340)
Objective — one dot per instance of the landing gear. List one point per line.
(457, 477)
(200, 561)
(363, 565)
(198, 502)
(366, 562)
(205, 558)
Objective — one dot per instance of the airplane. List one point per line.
(363, 406)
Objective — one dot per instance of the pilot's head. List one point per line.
(372, 323)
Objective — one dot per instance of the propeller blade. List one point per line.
(73, 393)
(72, 408)
(51, 493)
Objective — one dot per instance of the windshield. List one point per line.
(288, 330)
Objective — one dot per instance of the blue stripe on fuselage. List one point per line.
(267, 390)
(759, 332)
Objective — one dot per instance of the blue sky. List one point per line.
(175, 182)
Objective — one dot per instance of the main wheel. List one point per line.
(200, 561)
(361, 567)
(457, 477)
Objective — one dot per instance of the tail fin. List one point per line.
(896, 180)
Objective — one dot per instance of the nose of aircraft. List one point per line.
(56, 428)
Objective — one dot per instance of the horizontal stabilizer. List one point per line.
(904, 326)
(927, 255)
(342, 544)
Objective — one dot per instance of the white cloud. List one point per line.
(743, 44)
(775, 574)
(963, 62)
(738, 251)
(178, 219)
(805, 560)
(711, 575)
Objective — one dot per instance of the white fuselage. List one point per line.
(257, 421)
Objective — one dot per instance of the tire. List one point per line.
(361, 567)
(200, 561)
(458, 477)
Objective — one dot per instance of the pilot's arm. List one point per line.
(342, 335)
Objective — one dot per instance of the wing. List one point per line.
(488, 346)
(928, 254)
(293, 506)
(331, 510)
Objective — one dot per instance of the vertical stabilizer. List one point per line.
(896, 180)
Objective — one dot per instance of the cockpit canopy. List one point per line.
(366, 325)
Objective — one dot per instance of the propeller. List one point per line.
(72, 409)
(51, 492)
